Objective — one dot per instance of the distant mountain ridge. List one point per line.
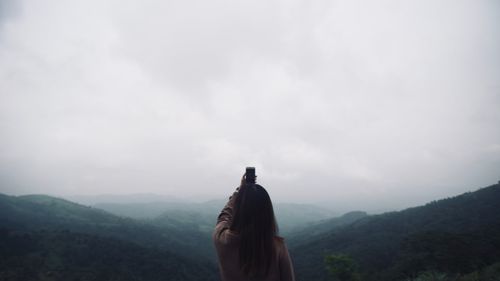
(315, 229)
(289, 215)
(387, 246)
(134, 198)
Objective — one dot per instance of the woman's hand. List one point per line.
(242, 183)
(243, 180)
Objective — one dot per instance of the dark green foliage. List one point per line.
(455, 235)
(450, 252)
(488, 273)
(341, 268)
(63, 255)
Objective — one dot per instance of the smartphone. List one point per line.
(250, 175)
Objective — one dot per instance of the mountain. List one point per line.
(33, 212)
(144, 210)
(40, 211)
(122, 198)
(456, 235)
(48, 238)
(41, 219)
(289, 216)
(311, 230)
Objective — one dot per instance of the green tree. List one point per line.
(431, 276)
(341, 268)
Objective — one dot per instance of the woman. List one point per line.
(246, 240)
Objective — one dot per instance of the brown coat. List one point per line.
(227, 244)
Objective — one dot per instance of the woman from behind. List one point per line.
(246, 238)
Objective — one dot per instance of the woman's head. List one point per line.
(255, 223)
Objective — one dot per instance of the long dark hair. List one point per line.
(255, 223)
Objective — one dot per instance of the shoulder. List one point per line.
(280, 244)
(279, 239)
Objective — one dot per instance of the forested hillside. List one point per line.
(45, 237)
(64, 255)
(454, 236)
(35, 212)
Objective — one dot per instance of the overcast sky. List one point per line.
(370, 104)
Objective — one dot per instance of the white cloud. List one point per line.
(355, 100)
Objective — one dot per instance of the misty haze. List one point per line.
(126, 126)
